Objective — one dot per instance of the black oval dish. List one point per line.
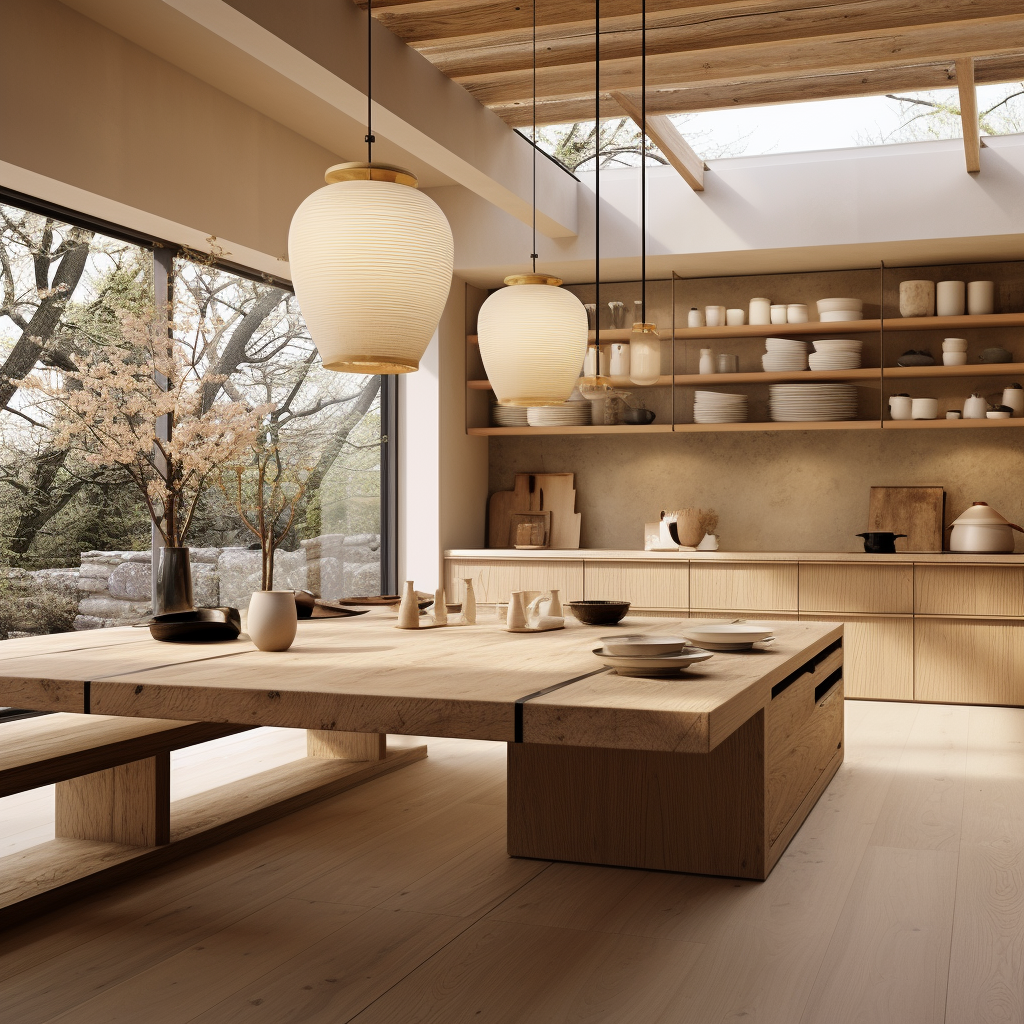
(599, 613)
(204, 624)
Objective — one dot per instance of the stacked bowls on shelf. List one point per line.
(812, 403)
(718, 407)
(784, 355)
(835, 310)
(836, 354)
(507, 416)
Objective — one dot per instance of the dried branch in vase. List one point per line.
(708, 520)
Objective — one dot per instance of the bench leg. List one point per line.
(130, 804)
(347, 746)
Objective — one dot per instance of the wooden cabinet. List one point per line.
(743, 586)
(969, 590)
(838, 587)
(495, 579)
(879, 654)
(969, 662)
(661, 586)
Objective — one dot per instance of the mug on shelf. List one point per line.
(924, 408)
(714, 316)
(778, 313)
(735, 318)
(950, 298)
(981, 297)
(901, 407)
(796, 313)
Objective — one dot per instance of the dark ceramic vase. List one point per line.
(173, 591)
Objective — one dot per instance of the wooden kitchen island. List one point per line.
(712, 772)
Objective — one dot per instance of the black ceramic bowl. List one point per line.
(599, 613)
(638, 416)
(204, 624)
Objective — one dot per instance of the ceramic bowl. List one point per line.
(954, 345)
(642, 645)
(837, 315)
(599, 613)
(831, 305)
(206, 625)
(638, 416)
(996, 355)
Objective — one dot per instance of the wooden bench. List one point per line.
(113, 810)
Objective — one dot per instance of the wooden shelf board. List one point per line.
(621, 428)
(665, 428)
(757, 425)
(970, 370)
(953, 323)
(945, 424)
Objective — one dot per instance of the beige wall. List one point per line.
(84, 106)
(786, 491)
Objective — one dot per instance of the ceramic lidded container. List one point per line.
(982, 529)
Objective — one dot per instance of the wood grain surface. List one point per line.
(969, 590)
(662, 586)
(496, 580)
(916, 511)
(969, 662)
(752, 587)
(838, 587)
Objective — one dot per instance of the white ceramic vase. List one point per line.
(409, 609)
(468, 604)
(440, 608)
(272, 619)
(516, 615)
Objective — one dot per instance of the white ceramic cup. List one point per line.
(954, 358)
(714, 316)
(735, 317)
(272, 619)
(796, 313)
(954, 345)
(950, 298)
(760, 311)
(901, 407)
(924, 408)
(619, 361)
(981, 297)
(778, 314)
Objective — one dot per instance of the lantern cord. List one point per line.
(533, 251)
(369, 140)
(643, 160)
(597, 180)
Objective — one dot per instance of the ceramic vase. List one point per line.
(917, 298)
(272, 619)
(1013, 396)
(468, 604)
(707, 361)
(760, 311)
(173, 591)
(981, 297)
(950, 298)
(554, 607)
(409, 609)
(516, 615)
(440, 608)
(688, 531)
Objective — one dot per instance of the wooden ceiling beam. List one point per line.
(800, 89)
(662, 132)
(764, 61)
(969, 114)
(698, 29)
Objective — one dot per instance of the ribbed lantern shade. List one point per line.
(533, 336)
(371, 260)
(644, 354)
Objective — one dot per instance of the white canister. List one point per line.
(924, 408)
(605, 362)
(715, 316)
(950, 298)
(1013, 396)
(695, 318)
(954, 358)
(796, 313)
(981, 297)
(901, 407)
(618, 363)
(735, 318)
(778, 313)
(954, 344)
(760, 311)
(272, 619)
(975, 408)
(707, 361)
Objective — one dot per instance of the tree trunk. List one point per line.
(331, 452)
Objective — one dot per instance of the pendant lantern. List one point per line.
(372, 260)
(532, 334)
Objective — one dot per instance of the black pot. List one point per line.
(880, 543)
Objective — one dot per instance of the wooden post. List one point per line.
(347, 746)
(130, 804)
(969, 113)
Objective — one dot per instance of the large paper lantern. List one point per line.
(533, 336)
(371, 259)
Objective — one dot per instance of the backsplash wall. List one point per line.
(785, 491)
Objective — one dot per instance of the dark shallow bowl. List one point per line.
(996, 355)
(208, 625)
(638, 416)
(599, 613)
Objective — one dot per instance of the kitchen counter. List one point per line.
(945, 557)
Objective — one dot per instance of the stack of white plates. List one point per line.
(569, 414)
(507, 416)
(835, 310)
(783, 355)
(836, 354)
(718, 407)
(809, 403)
(729, 636)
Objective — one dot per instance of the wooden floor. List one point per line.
(900, 900)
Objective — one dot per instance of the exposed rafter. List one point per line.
(969, 114)
(662, 132)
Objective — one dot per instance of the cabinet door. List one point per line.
(494, 579)
(651, 585)
(879, 655)
(743, 586)
(833, 587)
(969, 590)
(969, 662)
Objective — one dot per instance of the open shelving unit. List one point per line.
(882, 334)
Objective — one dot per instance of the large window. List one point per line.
(75, 533)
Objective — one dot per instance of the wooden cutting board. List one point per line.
(916, 511)
(537, 492)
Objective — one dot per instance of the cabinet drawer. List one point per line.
(744, 586)
(495, 580)
(878, 655)
(969, 590)
(663, 585)
(969, 662)
(830, 587)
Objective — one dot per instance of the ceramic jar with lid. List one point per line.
(982, 529)
(1013, 396)
(975, 408)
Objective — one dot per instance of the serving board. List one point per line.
(536, 492)
(916, 511)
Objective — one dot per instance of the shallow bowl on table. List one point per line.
(599, 613)
(734, 636)
(652, 664)
(203, 624)
(640, 645)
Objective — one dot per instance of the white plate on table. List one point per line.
(653, 664)
(728, 635)
(642, 645)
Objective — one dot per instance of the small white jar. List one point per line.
(950, 298)
(695, 318)
(778, 313)
(735, 318)
(760, 311)
(707, 361)
(981, 297)
(796, 313)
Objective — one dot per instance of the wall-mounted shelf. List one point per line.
(618, 428)
(968, 370)
(953, 424)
